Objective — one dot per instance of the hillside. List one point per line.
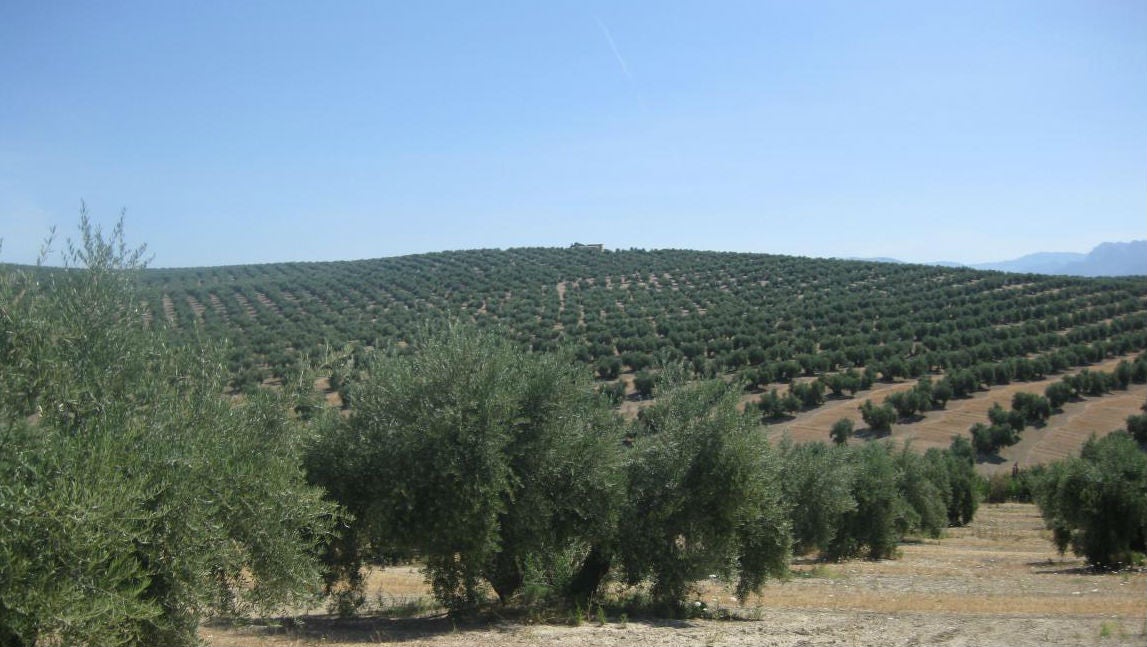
(767, 317)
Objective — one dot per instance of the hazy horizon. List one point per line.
(254, 133)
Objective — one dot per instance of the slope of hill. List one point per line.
(766, 317)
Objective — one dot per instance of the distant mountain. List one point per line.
(1107, 259)
(875, 259)
(1112, 259)
(1038, 263)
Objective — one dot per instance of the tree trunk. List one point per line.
(586, 583)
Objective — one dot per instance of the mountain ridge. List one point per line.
(1105, 259)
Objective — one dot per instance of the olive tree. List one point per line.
(817, 484)
(704, 495)
(490, 465)
(878, 418)
(134, 495)
(1097, 503)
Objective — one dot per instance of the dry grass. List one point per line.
(1003, 564)
(997, 582)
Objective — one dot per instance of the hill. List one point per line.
(720, 311)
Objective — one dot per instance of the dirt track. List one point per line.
(996, 582)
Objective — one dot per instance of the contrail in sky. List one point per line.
(613, 46)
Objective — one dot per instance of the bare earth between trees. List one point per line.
(997, 581)
(1063, 435)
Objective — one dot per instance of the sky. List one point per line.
(249, 132)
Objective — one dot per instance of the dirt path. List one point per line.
(997, 582)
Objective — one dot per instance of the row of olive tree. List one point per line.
(1006, 425)
(862, 500)
(508, 469)
(750, 314)
(134, 496)
(505, 469)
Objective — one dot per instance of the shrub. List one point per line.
(905, 403)
(703, 496)
(1035, 409)
(841, 431)
(608, 368)
(644, 384)
(872, 527)
(1097, 503)
(878, 418)
(817, 483)
(1058, 394)
(134, 495)
(810, 394)
(614, 392)
(493, 465)
(989, 439)
(963, 482)
(1137, 427)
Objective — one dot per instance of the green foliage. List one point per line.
(1002, 417)
(878, 418)
(961, 383)
(644, 384)
(838, 383)
(774, 316)
(941, 393)
(774, 406)
(817, 483)
(1035, 409)
(1090, 383)
(1137, 427)
(841, 431)
(608, 368)
(1017, 486)
(925, 489)
(703, 496)
(906, 403)
(134, 496)
(810, 394)
(614, 392)
(862, 501)
(989, 439)
(503, 469)
(1058, 394)
(872, 528)
(1097, 503)
(963, 483)
(491, 465)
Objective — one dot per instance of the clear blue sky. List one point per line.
(241, 132)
